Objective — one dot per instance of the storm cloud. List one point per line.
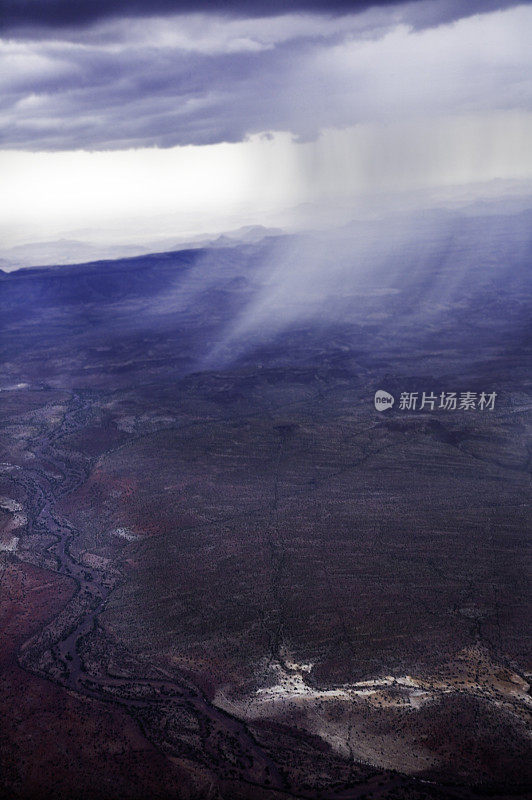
(65, 13)
(182, 79)
(130, 125)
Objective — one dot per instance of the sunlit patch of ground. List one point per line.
(357, 719)
(9, 545)
(8, 504)
(12, 518)
(125, 533)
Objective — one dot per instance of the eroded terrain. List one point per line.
(224, 574)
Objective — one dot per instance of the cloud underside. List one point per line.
(167, 80)
(62, 13)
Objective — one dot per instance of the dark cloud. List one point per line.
(71, 13)
(179, 80)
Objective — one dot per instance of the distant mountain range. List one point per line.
(73, 251)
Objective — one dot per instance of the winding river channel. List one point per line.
(228, 748)
(54, 652)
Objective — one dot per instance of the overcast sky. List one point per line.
(212, 114)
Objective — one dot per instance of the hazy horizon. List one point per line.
(127, 131)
